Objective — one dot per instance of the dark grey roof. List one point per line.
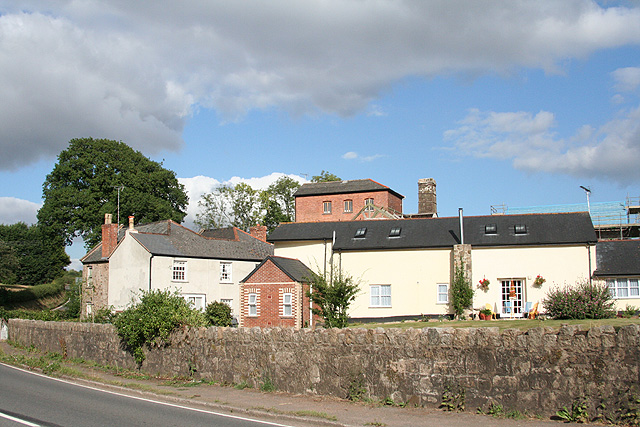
(541, 229)
(618, 258)
(340, 187)
(167, 238)
(220, 233)
(294, 268)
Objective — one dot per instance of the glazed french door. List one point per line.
(509, 286)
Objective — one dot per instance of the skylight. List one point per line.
(360, 232)
(395, 231)
(491, 229)
(520, 229)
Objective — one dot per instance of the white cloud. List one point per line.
(352, 155)
(611, 152)
(13, 210)
(627, 79)
(134, 71)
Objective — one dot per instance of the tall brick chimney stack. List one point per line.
(259, 232)
(427, 204)
(132, 228)
(109, 236)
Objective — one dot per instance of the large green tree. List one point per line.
(30, 255)
(241, 206)
(84, 184)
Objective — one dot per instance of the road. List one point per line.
(32, 399)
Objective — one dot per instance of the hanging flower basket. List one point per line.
(539, 280)
(484, 285)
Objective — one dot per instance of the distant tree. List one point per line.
(83, 186)
(32, 255)
(239, 206)
(331, 297)
(282, 192)
(325, 177)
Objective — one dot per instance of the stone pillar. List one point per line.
(462, 253)
(427, 197)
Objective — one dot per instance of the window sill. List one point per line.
(380, 306)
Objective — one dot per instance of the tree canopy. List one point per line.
(30, 255)
(325, 176)
(241, 206)
(332, 297)
(83, 186)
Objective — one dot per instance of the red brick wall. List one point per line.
(270, 284)
(310, 208)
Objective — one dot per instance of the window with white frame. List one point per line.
(286, 304)
(624, 288)
(252, 302)
(179, 271)
(89, 276)
(368, 204)
(348, 206)
(197, 301)
(443, 293)
(326, 207)
(380, 295)
(225, 272)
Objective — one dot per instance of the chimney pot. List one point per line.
(107, 218)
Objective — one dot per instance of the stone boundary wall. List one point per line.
(539, 370)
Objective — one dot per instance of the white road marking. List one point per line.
(18, 420)
(174, 405)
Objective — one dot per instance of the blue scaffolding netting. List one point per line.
(602, 213)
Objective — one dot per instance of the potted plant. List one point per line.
(539, 280)
(485, 314)
(483, 284)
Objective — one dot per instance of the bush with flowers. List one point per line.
(583, 301)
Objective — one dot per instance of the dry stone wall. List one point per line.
(539, 370)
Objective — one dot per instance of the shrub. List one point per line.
(461, 290)
(331, 299)
(583, 301)
(218, 314)
(154, 318)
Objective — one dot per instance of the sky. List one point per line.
(517, 103)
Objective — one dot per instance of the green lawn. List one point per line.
(522, 324)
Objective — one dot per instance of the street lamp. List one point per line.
(587, 191)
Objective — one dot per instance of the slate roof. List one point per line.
(168, 238)
(294, 268)
(340, 187)
(541, 229)
(618, 258)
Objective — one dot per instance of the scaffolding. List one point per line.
(611, 220)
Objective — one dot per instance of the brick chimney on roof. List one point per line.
(427, 204)
(109, 236)
(259, 232)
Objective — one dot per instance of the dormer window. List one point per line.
(520, 229)
(395, 231)
(491, 229)
(360, 232)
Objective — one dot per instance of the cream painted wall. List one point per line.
(415, 274)
(560, 265)
(412, 274)
(622, 303)
(312, 253)
(129, 267)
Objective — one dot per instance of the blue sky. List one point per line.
(501, 102)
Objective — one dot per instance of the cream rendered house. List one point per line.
(203, 267)
(619, 268)
(406, 266)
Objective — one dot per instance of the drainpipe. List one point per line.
(150, 259)
(461, 226)
(590, 272)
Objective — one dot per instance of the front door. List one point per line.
(509, 288)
